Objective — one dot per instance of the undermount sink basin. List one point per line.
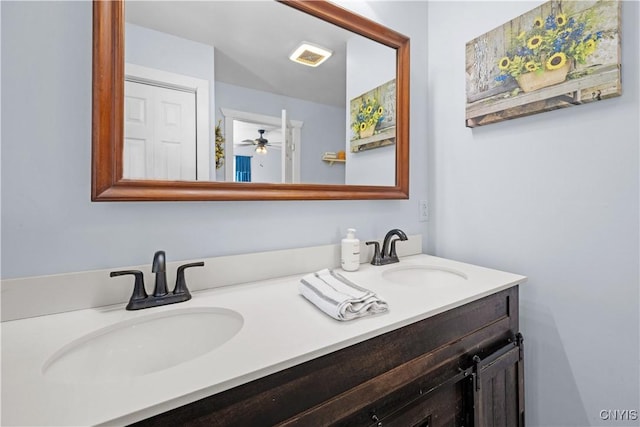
(143, 345)
(420, 275)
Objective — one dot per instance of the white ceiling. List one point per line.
(253, 41)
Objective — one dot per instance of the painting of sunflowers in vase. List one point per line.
(560, 54)
(373, 118)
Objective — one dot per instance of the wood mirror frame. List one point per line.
(107, 183)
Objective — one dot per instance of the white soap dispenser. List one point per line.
(350, 259)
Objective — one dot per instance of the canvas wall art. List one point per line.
(373, 118)
(560, 54)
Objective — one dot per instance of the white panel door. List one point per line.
(160, 133)
(138, 130)
(175, 135)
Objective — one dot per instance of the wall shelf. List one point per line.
(331, 160)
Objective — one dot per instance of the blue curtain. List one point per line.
(243, 168)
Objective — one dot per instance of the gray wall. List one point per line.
(553, 196)
(155, 49)
(49, 224)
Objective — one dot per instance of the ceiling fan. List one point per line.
(261, 143)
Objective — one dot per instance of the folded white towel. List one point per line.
(338, 297)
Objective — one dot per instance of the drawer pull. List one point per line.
(376, 420)
(424, 423)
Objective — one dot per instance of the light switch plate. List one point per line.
(423, 211)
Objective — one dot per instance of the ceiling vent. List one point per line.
(309, 54)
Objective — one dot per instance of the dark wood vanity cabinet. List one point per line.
(463, 367)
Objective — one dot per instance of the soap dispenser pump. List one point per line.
(350, 259)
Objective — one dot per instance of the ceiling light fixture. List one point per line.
(261, 149)
(310, 55)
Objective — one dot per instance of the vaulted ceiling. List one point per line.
(253, 41)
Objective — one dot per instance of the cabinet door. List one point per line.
(499, 388)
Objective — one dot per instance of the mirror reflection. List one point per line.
(211, 94)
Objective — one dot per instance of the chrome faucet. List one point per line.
(388, 253)
(161, 296)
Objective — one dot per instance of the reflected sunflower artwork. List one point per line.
(373, 118)
(568, 53)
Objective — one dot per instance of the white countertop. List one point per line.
(281, 329)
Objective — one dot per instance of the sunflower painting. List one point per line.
(373, 118)
(560, 54)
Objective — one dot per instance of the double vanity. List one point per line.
(258, 353)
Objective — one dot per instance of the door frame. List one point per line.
(231, 115)
(146, 75)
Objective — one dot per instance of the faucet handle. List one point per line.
(377, 256)
(181, 283)
(139, 293)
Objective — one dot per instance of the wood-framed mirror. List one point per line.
(109, 178)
